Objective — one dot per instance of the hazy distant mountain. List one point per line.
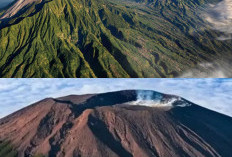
(124, 123)
(104, 38)
(4, 3)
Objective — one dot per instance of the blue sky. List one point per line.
(215, 94)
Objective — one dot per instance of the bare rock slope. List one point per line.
(115, 125)
(17, 7)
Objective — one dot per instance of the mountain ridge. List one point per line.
(101, 38)
(59, 127)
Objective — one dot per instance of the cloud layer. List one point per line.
(214, 94)
(219, 69)
(220, 17)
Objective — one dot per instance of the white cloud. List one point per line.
(214, 94)
(217, 69)
(220, 17)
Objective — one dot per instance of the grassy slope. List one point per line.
(99, 38)
(6, 150)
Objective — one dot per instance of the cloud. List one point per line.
(216, 69)
(220, 18)
(214, 94)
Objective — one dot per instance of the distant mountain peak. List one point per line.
(18, 7)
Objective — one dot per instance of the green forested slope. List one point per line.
(103, 38)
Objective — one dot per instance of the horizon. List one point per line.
(213, 94)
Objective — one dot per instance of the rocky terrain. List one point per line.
(116, 124)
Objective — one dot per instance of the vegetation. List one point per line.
(6, 150)
(104, 38)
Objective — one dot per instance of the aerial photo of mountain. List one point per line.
(115, 38)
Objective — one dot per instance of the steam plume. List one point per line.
(154, 99)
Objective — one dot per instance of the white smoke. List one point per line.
(151, 99)
(220, 18)
(146, 98)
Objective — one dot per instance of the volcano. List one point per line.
(116, 124)
(107, 38)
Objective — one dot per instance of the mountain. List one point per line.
(105, 38)
(123, 123)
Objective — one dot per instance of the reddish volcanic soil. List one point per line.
(103, 125)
